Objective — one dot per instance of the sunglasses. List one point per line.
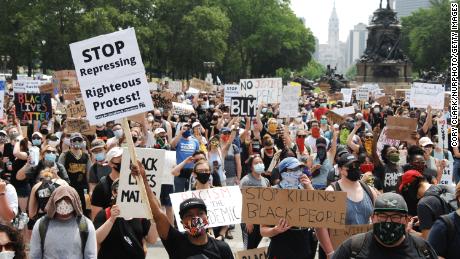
(8, 246)
(50, 152)
(36, 138)
(77, 140)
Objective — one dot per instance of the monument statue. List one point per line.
(388, 4)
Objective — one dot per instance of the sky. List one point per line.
(349, 12)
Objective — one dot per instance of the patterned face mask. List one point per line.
(64, 208)
(196, 226)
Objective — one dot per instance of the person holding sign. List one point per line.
(390, 237)
(195, 242)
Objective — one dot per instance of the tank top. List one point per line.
(76, 169)
(44, 192)
(358, 213)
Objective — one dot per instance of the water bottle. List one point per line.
(34, 153)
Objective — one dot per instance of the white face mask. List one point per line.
(118, 133)
(64, 208)
(53, 143)
(150, 118)
(7, 255)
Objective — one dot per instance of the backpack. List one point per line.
(451, 228)
(82, 226)
(366, 188)
(446, 194)
(357, 243)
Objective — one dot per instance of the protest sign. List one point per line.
(362, 93)
(289, 106)
(129, 196)
(385, 140)
(347, 93)
(79, 125)
(422, 95)
(175, 86)
(383, 100)
(266, 90)
(334, 117)
(33, 106)
(257, 253)
(401, 128)
(169, 164)
(442, 133)
(47, 89)
(301, 208)
(243, 106)
(229, 92)
(76, 110)
(345, 111)
(223, 205)
(335, 97)
(182, 108)
(27, 86)
(372, 88)
(201, 85)
(111, 76)
(447, 176)
(338, 236)
(401, 93)
(2, 96)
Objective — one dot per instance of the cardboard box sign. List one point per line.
(243, 106)
(401, 93)
(334, 117)
(400, 128)
(80, 125)
(76, 110)
(338, 236)
(301, 208)
(258, 253)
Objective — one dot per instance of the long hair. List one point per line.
(16, 238)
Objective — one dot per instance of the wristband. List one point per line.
(330, 253)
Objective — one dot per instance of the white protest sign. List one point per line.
(129, 197)
(224, 205)
(442, 133)
(347, 93)
(182, 108)
(266, 90)
(362, 94)
(422, 95)
(175, 86)
(289, 106)
(345, 111)
(27, 86)
(447, 177)
(170, 162)
(384, 140)
(2, 96)
(243, 106)
(229, 92)
(372, 88)
(111, 76)
(153, 86)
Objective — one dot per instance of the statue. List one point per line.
(388, 4)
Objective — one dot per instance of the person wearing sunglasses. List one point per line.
(11, 243)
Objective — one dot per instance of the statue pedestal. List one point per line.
(385, 72)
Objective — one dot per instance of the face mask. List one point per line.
(196, 227)
(321, 153)
(50, 157)
(323, 105)
(315, 132)
(187, 134)
(343, 136)
(389, 233)
(259, 168)
(64, 208)
(376, 110)
(44, 131)
(67, 141)
(118, 133)
(158, 118)
(304, 118)
(203, 178)
(393, 158)
(150, 118)
(36, 142)
(13, 135)
(225, 138)
(53, 143)
(300, 144)
(100, 156)
(353, 174)
(3, 140)
(367, 167)
(7, 255)
(290, 180)
(117, 167)
(134, 139)
(323, 121)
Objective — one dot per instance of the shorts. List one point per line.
(166, 189)
(23, 191)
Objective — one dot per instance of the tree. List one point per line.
(313, 70)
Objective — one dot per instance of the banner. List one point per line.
(223, 205)
(301, 208)
(129, 197)
(422, 95)
(35, 107)
(400, 128)
(79, 125)
(182, 108)
(338, 236)
(229, 92)
(257, 253)
(111, 76)
(347, 93)
(27, 86)
(76, 110)
(243, 106)
(266, 90)
(289, 106)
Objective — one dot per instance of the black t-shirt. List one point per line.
(292, 244)
(372, 249)
(102, 195)
(124, 239)
(429, 208)
(438, 238)
(97, 171)
(17, 165)
(387, 177)
(179, 247)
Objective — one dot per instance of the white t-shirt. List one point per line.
(11, 199)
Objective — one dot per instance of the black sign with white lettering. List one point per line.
(243, 106)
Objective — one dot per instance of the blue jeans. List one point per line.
(456, 171)
(181, 184)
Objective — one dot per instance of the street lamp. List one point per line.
(5, 59)
(209, 65)
(43, 57)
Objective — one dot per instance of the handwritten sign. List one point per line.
(79, 125)
(289, 106)
(129, 198)
(334, 117)
(422, 95)
(27, 86)
(243, 106)
(362, 93)
(182, 108)
(258, 253)
(266, 90)
(401, 128)
(347, 93)
(76, 110)
(223, 205)
(301, 208)
(338, 236)
(33, 106)
(385, 140)
(345, 111)
(229, 92)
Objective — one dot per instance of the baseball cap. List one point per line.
(346, 159)
(37, 134)
(158, 131)
(113, 152)
(288, 163)
(225, 130)
(75, 135)
(52, 137)
(375, 104)
(97, 143)
(425, 141)
(3, 132)
(409, 177)
(196, 123)
(390, 201)
(191, 204)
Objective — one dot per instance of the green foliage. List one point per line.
(351, 72)
(313, 70)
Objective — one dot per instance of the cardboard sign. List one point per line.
(383, 100)
(266, 90)
(362, 94)
(229, 92)
(345, 111)
(129, 198)
(422, 95)
(334, 117)
(47, 89)
(401, 93)
(175, 86)
(401, 128)
(289, 106)
(111, 76)
(385, 140)
(79, 125)
(347, 93)
(338, 236)
(182, 108)
(301, 208)
(223, 205)
(35, 107)
(76, 110)
(27, 86)
(258, 253)
(201, 85)
(243, 106)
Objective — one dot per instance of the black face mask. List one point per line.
(158, 118)
(321, 152)
(353, 174)
(203, 178)
(44, 131)
(134, 139)
(117, 167)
